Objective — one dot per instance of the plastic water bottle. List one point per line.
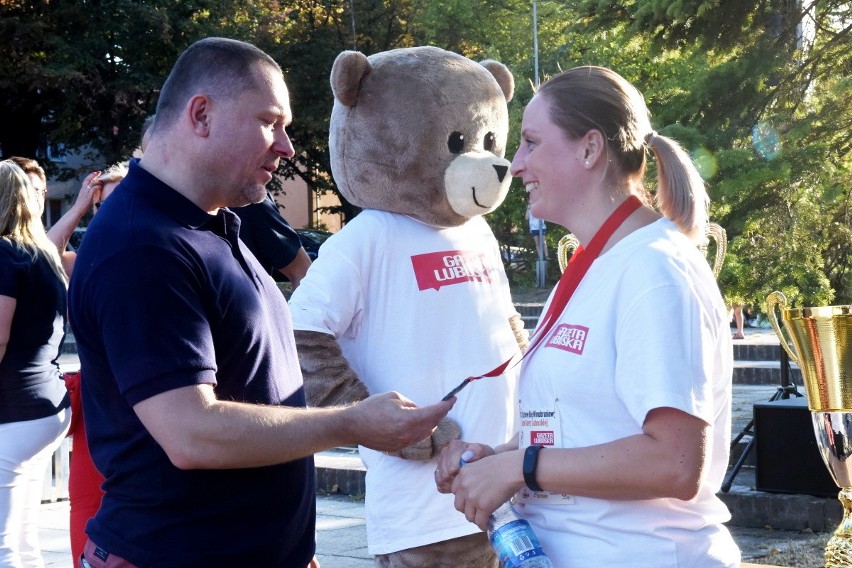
(512, 537)
(514, 540)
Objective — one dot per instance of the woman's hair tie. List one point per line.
(649, 138)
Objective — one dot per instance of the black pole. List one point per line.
(785, 368)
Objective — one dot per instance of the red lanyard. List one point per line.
(577, 267)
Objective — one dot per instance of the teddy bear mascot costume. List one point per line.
(411, 295)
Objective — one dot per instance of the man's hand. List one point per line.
(389, 422)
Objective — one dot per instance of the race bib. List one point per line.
(540, 427)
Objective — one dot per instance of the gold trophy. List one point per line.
(821, 338)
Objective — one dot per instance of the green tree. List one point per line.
(761, 86)
(763, 107)
(84, 74)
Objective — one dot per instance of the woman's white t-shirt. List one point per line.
(646, 328)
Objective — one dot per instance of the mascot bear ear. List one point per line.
(503, 76)
(346, 74)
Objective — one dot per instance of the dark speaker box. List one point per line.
(787, 456)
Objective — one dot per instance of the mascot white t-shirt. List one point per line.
(416, 309)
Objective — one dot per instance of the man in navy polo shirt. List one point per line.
(193, 397)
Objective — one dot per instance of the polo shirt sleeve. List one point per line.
(268, 235)
(150, 310)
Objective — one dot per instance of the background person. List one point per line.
(34, 413)
(739, 321)
(193, 398)
(538, 230)
(60, 233)
(630, 390)
(273, 241)
(37, 178)
(96, 187)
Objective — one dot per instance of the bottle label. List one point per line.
(514, 543)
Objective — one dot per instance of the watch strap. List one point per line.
(530, 465)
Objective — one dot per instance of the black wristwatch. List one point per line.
(530, 463)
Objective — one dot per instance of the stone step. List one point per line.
(768, 350)
(340, 470)
(763, 373)
(529, 310)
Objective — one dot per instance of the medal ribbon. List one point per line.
(579, 264)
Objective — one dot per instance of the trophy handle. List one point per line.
(780, 300)
(716, 233)
(566, 245)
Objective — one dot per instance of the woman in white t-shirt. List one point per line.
(625, 399)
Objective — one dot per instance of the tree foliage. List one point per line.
(762, 106)
(760, 91)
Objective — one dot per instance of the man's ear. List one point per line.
(593, 148)
(198, 110)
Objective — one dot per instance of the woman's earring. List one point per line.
(586, 163)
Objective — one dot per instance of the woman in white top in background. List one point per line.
(538, 229)
(625, 401)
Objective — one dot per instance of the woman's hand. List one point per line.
(89, 193)
(485, 483)
(60, 232)
(449, 462)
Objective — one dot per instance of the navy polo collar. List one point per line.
(164, 198)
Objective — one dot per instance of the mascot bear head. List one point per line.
(420, 131)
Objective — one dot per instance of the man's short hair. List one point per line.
(213, 66)
(29, 166)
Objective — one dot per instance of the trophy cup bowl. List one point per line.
(820, 338)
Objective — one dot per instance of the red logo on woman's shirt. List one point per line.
(569, 338)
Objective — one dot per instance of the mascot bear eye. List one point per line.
(488, 141)
(456, 142)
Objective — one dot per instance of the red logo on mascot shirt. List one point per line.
(569, 338)
(437, 269)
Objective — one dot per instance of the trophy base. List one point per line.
(838, 552)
